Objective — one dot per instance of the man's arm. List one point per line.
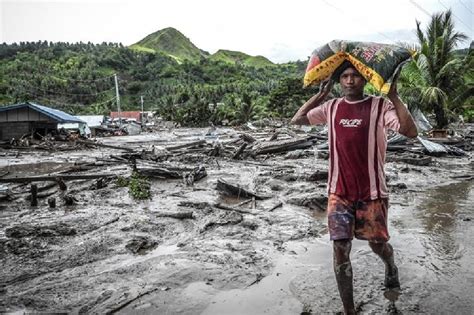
(407, 124)
(300, 117)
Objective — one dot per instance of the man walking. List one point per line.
(358, 197)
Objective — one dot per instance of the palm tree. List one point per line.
(438, 73)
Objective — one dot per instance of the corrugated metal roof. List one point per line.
(59, 116)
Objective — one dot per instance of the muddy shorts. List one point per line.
(364, 220)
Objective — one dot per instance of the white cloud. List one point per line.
(281, 30)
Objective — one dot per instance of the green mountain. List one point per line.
(171, 42)
(236, 57)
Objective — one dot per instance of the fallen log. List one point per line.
(52, 178)
(186, 145)
(281, 146)
(418, 161)
(161, 173)
(176, 215)
(98, 144)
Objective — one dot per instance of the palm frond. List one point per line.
(434, 95)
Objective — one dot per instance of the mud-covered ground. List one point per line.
(109, 253)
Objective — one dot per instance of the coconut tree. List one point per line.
(435, 72)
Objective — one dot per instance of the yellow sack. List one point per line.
(378, 63)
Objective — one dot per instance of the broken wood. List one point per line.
(243, 203)
(312, 201)
(318, 175)
(278, 205)
(240, 210)
(69, 200)
(34, 195)
(52, 202)
(195, 175)
(41, 195)
(282, 146)
(186, 145)
(216, 150)
(204, 205)
(239, 151)
(52, 178)
(247, 138)
(61, 184)
(161, 173)
(236, 191)
(98, 144)
(176, 215)
(283, 131)
(418, 161)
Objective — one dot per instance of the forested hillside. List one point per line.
(188, 85)
(79, 78)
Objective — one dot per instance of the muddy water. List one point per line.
(436, 251)
(433, 235)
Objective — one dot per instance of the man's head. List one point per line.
(352, 82)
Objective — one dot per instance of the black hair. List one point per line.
(339, 70)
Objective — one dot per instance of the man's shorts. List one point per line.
(364, 220)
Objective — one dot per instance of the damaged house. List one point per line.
(31, 118)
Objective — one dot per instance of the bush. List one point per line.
(139, 186)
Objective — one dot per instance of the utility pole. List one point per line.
(141, 99)
(117, 95)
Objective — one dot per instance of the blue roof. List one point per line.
(59, 116)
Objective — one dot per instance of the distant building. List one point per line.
(31, 118)
(126, 116)
(94, 122)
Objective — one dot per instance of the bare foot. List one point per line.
(391, 278)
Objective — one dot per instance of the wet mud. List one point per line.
(108, 253)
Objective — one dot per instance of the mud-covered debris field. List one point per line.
(223, 221)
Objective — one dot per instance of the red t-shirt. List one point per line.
(357, 145)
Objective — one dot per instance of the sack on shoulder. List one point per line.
(378, 63)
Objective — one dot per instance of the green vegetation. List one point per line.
(171, 42)
(187, 85)
(139, 186)
(236, 57)
(439, 79)
(121, 181)
(78, 78)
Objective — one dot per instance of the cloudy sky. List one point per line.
(281, 30)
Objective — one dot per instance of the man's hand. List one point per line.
(300, 117)
(407, 124)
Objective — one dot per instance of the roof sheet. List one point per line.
(55, 114)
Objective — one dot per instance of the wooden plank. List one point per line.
(52, 178)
